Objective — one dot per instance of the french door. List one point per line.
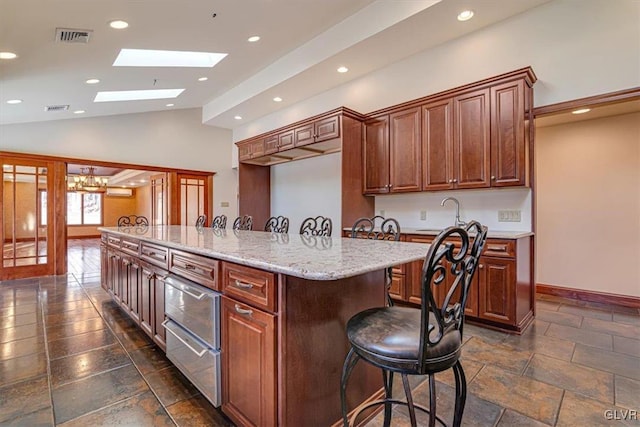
(28, 217)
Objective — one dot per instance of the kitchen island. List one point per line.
(283, 310)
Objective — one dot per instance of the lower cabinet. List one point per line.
(248, 340)
(501, 293)
(152, 304)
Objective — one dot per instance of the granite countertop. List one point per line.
(491, 234)
(313, 258)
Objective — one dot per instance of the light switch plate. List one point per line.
(510, 216)
(224, 204)
(381, 212)
(423, 215)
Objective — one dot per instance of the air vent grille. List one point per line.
(56, 108)
(71, 35)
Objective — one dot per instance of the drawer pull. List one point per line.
(243, 310)
(190, 266)
(497, 248)
(243, 285)
(196, 352)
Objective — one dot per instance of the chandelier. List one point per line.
(87, 181)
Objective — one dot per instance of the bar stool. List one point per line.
(132, 220)
(318, 226)
(365, 228)
(202, 219)
(219, 222)
(427, 340)
(277, 224)
(244, 222)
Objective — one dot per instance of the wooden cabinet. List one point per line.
(317, 131)
(104, 266)
(254, 148)
(286, 140)
(391, 146)
(271, 144)
(471, 138)
(501, 293)
(497, 279)
(253, 286)
(131, 285)
(508, 136)
(437, 145)
(249, 369)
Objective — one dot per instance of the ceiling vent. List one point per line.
(71, 35)
(56, 108)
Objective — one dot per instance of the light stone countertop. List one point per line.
(426, 231)
(313, 258)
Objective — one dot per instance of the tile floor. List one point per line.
(69, 356)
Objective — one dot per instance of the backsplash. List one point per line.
(481, 205)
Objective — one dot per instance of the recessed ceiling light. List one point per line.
(253, 39)
(203, 79)
(237, 117)
(8, 55)
(581, 111)
(277, 99)
(136, 95)
(465, 15)
(118, 24)
(342, 69)
(143, 180)
(92, 81)
(166, 58)
(170, 105)
(79, 112)
(14, 101)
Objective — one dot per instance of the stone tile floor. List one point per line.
(69, 356)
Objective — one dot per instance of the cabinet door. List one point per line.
(159, 334)
(376, 155)
(271, 144)
(257, 148)
(134, 279)
(303, 135)
(397, 289)
(507, 135)
(285, 140)
(104, 267)
(327, 129)
(497, 282)
(471, 149)
(405, 171)
(248, 339)
(115, 287)
(147, 296)
(437, 145)
(244, 151)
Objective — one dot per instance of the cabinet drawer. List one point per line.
(201, 270)
(156, 255)
(113, 241)
(500, 248)
(132, 247)
(253, 286)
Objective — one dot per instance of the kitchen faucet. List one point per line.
(458, 222)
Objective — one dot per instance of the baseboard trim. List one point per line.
(89, 236)
(592, 296)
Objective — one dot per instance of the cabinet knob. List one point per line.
(493, 178)
(450, 181)
(390, 185)
(455, 180)
(480, 265)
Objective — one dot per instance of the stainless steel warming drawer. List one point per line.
(193, 333)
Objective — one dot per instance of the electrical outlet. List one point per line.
(423, 215)
(224, 204)
(381, 212)
(510, 216)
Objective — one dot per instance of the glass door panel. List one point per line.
(193, 200)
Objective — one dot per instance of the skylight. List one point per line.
(136, 95)
(166, 58)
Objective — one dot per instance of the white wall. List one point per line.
(588, 197)
(480, 205)
(175, 139)
(577, 48)
(306, 188)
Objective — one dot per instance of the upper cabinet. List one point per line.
(476, 136)
(391, 146)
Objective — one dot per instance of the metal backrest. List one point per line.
(244, 222)
(277, 224)
(450, 264)
(219, 222)
(201, 221)
(365, 228)
(318, 226)
(132, 220)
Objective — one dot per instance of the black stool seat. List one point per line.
(390, 337)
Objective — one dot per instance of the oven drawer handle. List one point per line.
(243, 285)
(244, 311)
(183, 288)
(196, 352)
